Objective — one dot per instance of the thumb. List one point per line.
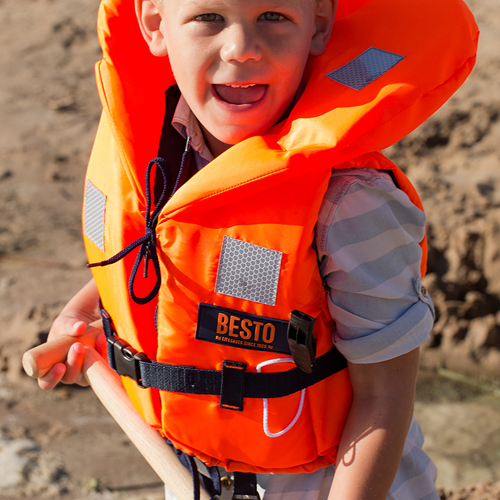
(78, 328)
(67, 325)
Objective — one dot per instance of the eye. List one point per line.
(209, 18)
(272, 16)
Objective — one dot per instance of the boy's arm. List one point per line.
(80, 311)
(373, 439)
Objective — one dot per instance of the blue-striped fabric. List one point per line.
(416, 474)
(414, 479)
(368, 235)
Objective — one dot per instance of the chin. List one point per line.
(239, 137)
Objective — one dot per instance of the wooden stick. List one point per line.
(108, 387)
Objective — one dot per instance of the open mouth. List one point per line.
(240, 94)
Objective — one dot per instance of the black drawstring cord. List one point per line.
(211, 484)
(147, 243)
(184, 169)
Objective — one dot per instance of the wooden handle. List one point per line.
(109, 389)
(39, 360)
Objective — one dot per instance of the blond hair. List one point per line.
(160, 2)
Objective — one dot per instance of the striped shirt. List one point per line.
(367, 239)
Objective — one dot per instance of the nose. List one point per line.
(240, 44)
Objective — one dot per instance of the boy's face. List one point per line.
(238, 63)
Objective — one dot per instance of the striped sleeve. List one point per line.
(368, 236)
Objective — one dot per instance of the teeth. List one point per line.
(243, 86)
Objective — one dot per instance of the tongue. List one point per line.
(240, 95)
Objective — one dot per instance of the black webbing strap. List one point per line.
(189, 380)
(107, 326)
(245, 486)
(232, 383)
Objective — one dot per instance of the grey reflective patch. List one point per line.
(248, 271)
(93, 214)
(366, 68)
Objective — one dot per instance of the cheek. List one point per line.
(195, 69)
(186, 76)
(292, 60)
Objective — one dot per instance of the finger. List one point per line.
(40, 359)
(101, 345)
(52, 377)
(74, 363)
(82, 381)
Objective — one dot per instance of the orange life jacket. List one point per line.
(234, 243)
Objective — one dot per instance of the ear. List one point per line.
(323, 23)
(150, 19)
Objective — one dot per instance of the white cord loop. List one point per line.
(265, 418)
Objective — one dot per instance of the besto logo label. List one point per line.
(238, 329)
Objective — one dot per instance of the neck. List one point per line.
(216, 147)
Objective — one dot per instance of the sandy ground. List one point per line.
(63, 444)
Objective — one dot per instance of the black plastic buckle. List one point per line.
(127, 360)
(301, 340)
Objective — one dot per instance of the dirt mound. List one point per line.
(481, 491)
(49, 113)
(454, 161)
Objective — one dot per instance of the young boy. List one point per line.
(272, 176)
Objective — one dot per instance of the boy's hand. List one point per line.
(64, 354)
(73, 321)
(69, 372)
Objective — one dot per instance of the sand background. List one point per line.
(62, 444)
